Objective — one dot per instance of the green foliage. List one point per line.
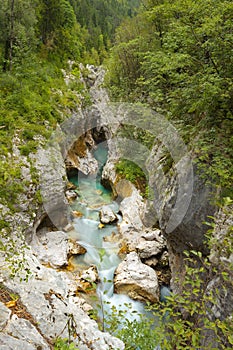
(18, 25)
(129, 170)
(99, 19)
(175, 56)
(188, 321)
(59, 30)
(132, 172)
(10, 182)
(64, 344)
(136, 334)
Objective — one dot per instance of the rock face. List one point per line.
(19, 333)
(182, 202)
(51, 248)
(136, 279)
(49, 296)
(80, 157)
(53, 179)
(181, 198)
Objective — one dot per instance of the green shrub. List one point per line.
(64, 344)
(132, 172)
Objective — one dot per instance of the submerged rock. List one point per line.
(136, 279)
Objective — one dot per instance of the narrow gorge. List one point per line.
(97, 234)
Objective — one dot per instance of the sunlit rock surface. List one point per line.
(51, 168)
(49, 297)
(136, 279)
(51, 248)
(107, 215)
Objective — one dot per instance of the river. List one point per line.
(89, 233)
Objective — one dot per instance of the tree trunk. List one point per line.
(8, 55)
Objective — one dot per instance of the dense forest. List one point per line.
(175, 56)
(38, 38)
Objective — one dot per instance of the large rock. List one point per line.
(136, 279)
(151, 244)
(107, 215)
(131, 206)
(51, 248)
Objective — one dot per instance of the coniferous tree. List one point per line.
(17, 23)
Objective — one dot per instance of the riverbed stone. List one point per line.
(71, 195)
(107, 215)
(152, 262)
(147, 249)
(75, 248)
(90, 275)
(152, 235)
(51, 248)
(136, 279)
